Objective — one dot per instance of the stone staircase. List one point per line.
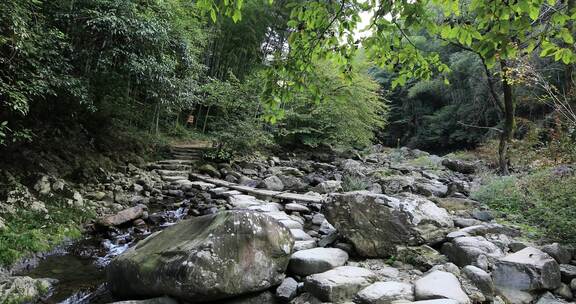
(191, 152)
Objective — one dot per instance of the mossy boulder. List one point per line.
(206, 258)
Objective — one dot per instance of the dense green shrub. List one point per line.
(544, 200)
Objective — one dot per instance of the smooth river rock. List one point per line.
(206, 258)
(338, 284)
(316, 260)
(439, 284)
(385, 293)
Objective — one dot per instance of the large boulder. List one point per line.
(375, 223)
(471, 250)
(206, 258)
(527, 270)
(440, 285)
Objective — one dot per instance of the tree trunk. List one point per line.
(508, 129)
(568, 72)
(206, 119)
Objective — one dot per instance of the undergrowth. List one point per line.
(543, 200)
(28, 232)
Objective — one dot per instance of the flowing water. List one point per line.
(80, 268)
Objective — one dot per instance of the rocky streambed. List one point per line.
(395, 226)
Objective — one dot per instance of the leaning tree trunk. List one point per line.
(508, 130)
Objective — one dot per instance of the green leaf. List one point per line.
(534, 12)
(566, 36)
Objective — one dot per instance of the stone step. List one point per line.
(187, 157)
(172, 172)
(171, 167)
(174, 161)
(173, 178)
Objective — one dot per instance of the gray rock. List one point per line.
(303, 245)
(482, 215)
(328, 239)
(492, 228)
(122, 217)
(385, 293)
(288, 290)
(209, 170)
(272, 183)
(161, 300)
(254, 247)
(515, 296)
(258, 298)
(245, 181)
(548, 298)
(428, 187)
(528, 269)
(567, 272)
(316, 260)
(42, 186)
(296, 207)
(470, 250)
(306, 298)
(438, 301)
(300, 235)
(459, 166)
(516, 246)
(326, 228)
(561, 254)
(293, 183)
(318, 219)
(375, 188)
(440, 284)
(375, 223)
(456, 204)
(466, 222)
(201, 185)
(328, 187)
(564, 291)
(422, 257)
(243, 201)
(338, 284)
(481, 279)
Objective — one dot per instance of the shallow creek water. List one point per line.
(80, 268)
